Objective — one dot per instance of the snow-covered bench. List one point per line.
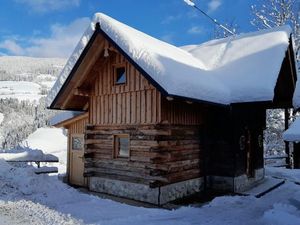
(33, 156)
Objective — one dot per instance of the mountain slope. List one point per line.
(27, 78)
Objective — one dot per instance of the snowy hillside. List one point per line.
(22, 90)
(21, 65)
(27, 78)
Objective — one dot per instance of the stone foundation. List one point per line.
(144, 193)
(236, 184)
(164, 194)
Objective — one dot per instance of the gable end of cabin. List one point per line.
(134, 137)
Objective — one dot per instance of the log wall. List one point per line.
(159, 154)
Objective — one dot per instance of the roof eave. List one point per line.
(73, 71)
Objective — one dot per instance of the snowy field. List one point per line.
(30, 78)
(22, 90)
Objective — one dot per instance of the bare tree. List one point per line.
(272, 13)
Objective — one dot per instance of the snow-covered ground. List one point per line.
(26, 198)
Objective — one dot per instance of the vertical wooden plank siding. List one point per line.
(180, 113)
(78, 127)
(136, 102)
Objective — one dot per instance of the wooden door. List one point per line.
(76, 159)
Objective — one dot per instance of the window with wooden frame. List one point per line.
(121, 146)
(77, 142)
(120, 74)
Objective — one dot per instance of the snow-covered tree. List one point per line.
(272, 13)
(267, 14)
(274, 144)
(21, 118)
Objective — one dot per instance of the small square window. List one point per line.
(120, 75)
(77, 143)
(121, 146)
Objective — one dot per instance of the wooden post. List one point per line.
(287, 148)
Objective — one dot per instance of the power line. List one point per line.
(192, 4)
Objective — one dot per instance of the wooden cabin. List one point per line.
(138, 140)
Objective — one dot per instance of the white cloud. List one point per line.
(61, 42)
(195, 30)
(214, 5)
(12, 47)
(49, 5)
(170, 19)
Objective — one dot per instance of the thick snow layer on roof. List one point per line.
(242, 68)
(296, 98)
(293, 133)
(70, 63)
(247, 64)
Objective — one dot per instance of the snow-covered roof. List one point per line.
(241, 68)
(296, 98)
(293, 133)
(66, 115)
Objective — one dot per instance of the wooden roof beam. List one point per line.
(82, 92)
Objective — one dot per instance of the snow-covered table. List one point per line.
(34, 156)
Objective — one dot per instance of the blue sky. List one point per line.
(51, 28)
